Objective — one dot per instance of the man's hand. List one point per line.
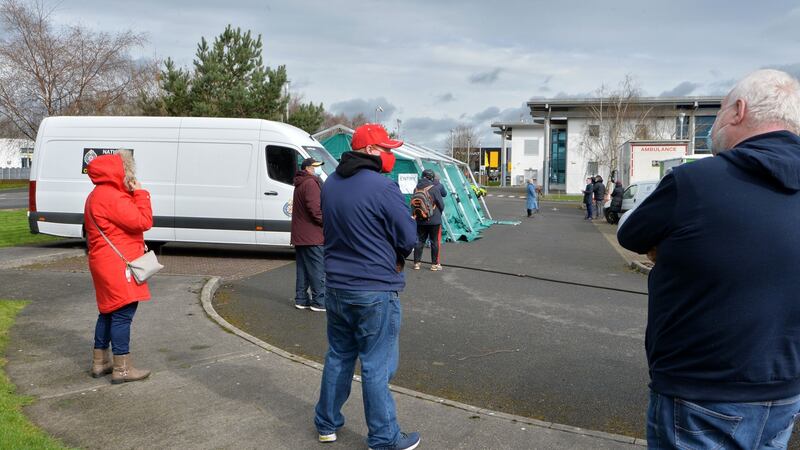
(651, 254)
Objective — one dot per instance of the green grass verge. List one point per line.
(14, 230)
(6, 184)
(563, 197)
(15, 430)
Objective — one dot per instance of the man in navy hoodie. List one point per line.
(723, 326)
(368, 233)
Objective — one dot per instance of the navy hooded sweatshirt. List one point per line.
(367, 226)
(724, 306)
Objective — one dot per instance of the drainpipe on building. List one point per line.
(502, 156)
(545, 173)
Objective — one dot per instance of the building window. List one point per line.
(594, 131)
(592, 168)
(682, 130)
(641, 131)
(558, 156)
(702, 126)
(531, 147)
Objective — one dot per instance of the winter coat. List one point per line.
(306, 210)
(123, 216)
(367, 226)
(435, 193)
(532, 202)
(723, 311)
(616, 198)
(599, 190)
(587, 193)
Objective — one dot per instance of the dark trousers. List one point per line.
(425, 232)
(310, 272)
(115, 328)
(588, 209)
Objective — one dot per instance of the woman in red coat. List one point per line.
(121, 209)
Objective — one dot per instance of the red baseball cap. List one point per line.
(373, 134)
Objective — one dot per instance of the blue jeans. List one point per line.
(588, 209)
(115, 328)
(364, 325)
(674, 423)
(310, 271)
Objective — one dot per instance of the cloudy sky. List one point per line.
(438, 64)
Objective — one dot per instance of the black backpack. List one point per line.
(421, 204)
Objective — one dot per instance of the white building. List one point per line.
(564, 137)
(15, 153)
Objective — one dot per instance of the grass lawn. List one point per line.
(14, 229)
(7, 184)
(563, 197)
(15, 429)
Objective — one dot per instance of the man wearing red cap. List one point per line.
(368, 233)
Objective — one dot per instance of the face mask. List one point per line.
(318, 171)
(387, 161)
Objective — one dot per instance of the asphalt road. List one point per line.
(13, 198)
(553, 351)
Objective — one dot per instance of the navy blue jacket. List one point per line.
(436, 197)
(724, 307)
(367, 226)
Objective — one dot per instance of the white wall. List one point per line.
(520, 162)
(578, 161)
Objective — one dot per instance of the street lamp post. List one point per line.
(452, 143)
(466, 158)
(379, 109)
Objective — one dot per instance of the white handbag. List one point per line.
(142, 267)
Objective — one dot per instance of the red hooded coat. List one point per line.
(124, 217)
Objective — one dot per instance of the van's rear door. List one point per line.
(276, 169)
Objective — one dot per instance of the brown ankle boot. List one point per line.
(124, 370)
(101, 362)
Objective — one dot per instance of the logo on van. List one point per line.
(89, 154)
(287, 209)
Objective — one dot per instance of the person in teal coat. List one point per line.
(532, 202)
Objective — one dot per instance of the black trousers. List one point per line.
(425, 232)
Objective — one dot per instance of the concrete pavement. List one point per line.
(211, 388)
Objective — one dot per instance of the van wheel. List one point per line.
(612, 217)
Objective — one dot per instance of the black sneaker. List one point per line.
(318, 308)
(406, 442)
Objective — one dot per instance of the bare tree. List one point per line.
(50, 70)
(463, 139)
(618, 116)
(343, 119)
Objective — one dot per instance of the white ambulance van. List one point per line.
(211, 180)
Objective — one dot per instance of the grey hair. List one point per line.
(772, 97)
(129, 165)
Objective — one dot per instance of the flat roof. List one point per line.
(709, 101)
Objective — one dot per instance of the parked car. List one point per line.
(631, 197)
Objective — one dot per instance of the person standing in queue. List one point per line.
(429, 227)
(368, 234)
(119, 209)
(307, 236)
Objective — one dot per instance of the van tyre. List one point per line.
(612, 217)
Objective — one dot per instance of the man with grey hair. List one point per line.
(723, 325)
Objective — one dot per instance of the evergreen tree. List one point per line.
(229, 80)
(307, 116)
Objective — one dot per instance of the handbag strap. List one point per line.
(106, 238)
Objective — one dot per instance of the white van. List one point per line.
(211, 180)
(631, 197)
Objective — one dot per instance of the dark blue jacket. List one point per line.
(436, 197)
(724, 308)
(367, 226)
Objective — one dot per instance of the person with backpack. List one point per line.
(426, 207)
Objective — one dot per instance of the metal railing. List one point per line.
(15, 173)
